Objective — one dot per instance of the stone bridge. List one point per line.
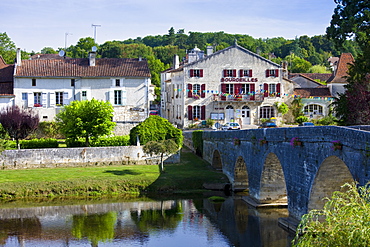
(298, 166)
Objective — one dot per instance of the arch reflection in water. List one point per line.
(190, 222)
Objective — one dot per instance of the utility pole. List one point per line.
(65, 40)
(94, 26)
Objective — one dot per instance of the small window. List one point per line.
(196, 73)
(37, 99)
(73, 82)
(33, 82)
(272, 88)
(84, 95)
(25, 96)
(229, 73)
(118, 83)
(196, 89)
(118, 97)
(196, 112)
(59, 98)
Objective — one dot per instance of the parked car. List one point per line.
(307, 124)
(154, 112)
(268, 125)
(231, 126)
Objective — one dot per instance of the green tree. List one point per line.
(82, 48)
(351, 20)
(48, 50)
(321, 69)
(297, 107)
(18, 122)
(88, 119)
(344, 221)
(155, 128)
(161, 148)
(297, 64)
(7, 48)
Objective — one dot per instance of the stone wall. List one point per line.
(88, 156)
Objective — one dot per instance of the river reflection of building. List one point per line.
(231, 223)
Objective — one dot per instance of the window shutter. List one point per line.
(252, 91)
(223, 90)
(200, 73)
(267, 73)
(202, 90)
(30, 100)
(241, 73)
(113, 82)
(52, 99)
(250, 73)
(276, 73)
(124, 96)
(278, 89)
(234, 72)
(266, 88)
(191, 73)
(190, 90)
(44, 99)
(65, 98)
(225, 73)
(203, 112)
(190, 112)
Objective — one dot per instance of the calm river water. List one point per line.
(144, 222)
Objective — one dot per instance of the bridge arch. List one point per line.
(240, 175)
(332, 174)
(273, 186)
(216, 160)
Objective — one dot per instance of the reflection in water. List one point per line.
(197, 222)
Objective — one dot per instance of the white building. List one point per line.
(233, 84)
(48, 84)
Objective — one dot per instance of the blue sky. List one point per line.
(35, 24)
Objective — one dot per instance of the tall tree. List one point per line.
(351, 19)
(88, 119)
(82, 48)
(19, 123)
(7, 48)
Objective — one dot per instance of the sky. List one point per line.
(35, 24)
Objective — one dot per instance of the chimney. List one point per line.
(92, 56)
(176, 61)
(209, 50)
(18, 57)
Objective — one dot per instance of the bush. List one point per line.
(101, 142)
(39, 143)
(197, 138)
(301, 119)
(48, 130)
(328, 120)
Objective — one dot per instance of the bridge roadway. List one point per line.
(267, 164)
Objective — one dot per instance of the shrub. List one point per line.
(112, 141)
(197, 138)
(301, 119)
(39, 143)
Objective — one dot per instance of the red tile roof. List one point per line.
(312, 92)
(313, 76)
(342, 68)
(79, 67)
(46, 56)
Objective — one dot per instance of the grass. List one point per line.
(188, 175)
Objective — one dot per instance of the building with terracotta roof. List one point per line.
(338, 79)
(48, 84)
(6, 84)
(230, 85)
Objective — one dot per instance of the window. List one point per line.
(196, 89)
(272, 73)
(33, 82)
(118, 97)
(24, 96)
(196, 112)
(267, 112)
(272, 88)
(58, 98)
(245, 89)
(245, 73)
(196, 73)
(230, 73)
(229, 88)
(84, 95)
(37, 99)
(73, 82)
(313, 109)
(118, 83)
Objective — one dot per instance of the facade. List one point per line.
(46, 85)
(230, 85)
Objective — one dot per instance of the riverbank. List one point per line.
(188, 175)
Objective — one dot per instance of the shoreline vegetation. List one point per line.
(188, 176)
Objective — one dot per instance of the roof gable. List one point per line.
(341, 72)
(79, 67)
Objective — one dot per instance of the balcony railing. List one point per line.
(240, 98)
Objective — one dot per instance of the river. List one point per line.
(141, 222)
